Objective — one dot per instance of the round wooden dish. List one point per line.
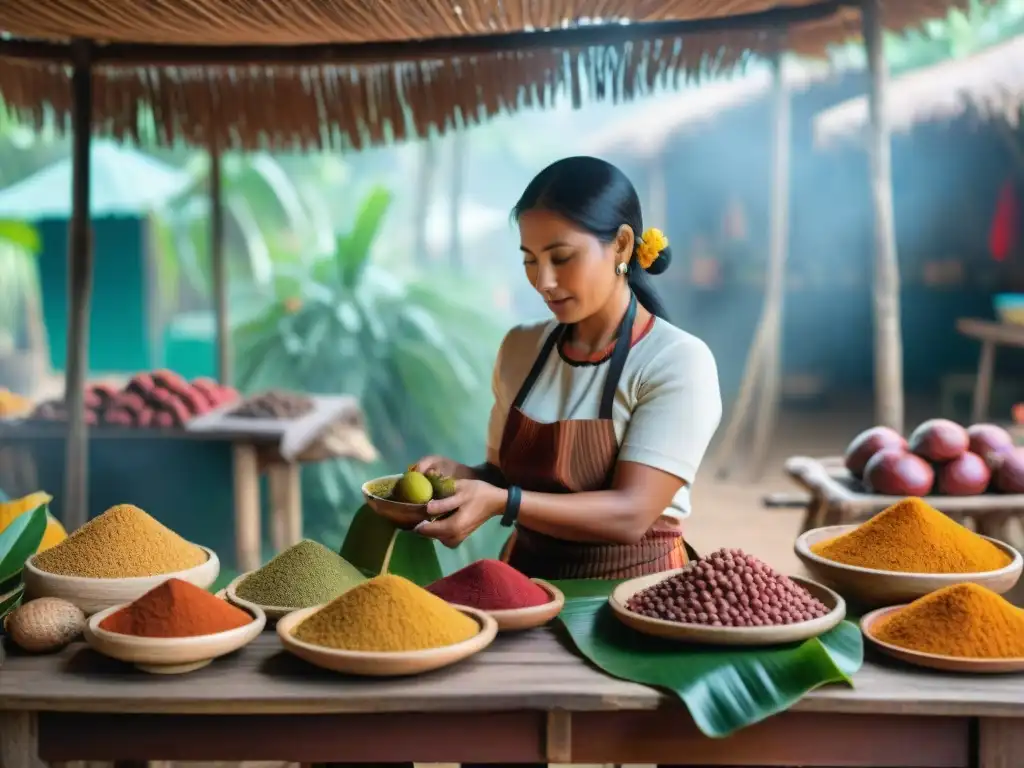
(876, 588)
(398, 512)
(516, 619)
(169, 655)
(705, 635)
(92, 595)
(273, 612)
(385, 664)
(931, 660)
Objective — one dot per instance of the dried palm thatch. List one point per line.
(988, 84)
(374, 81)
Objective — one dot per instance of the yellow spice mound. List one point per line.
(965, 620)
(123, 542)
(386, 613)
(911, 536)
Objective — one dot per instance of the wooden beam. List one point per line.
(218, 262)
(888, 335)
(75, 503)
(438, 48)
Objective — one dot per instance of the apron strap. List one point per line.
(618, 361)
(538, 366)
(615, 367)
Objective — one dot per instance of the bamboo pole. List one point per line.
(762, 373)
(767, 412)
(888, 336)
(80, 275)
(218, 262)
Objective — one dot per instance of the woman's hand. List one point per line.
(475, 502)
(446, 467)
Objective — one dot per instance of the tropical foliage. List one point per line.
(416, 350)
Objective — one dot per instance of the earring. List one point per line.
(621, 268)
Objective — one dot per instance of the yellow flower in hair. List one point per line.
(652, 243)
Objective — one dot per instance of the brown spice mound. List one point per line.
(728, 588)
(123, 542)
(176, 609)
(911, 536)
(964, 620)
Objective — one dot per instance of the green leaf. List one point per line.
(22, 234)
(20, 540)
(724, 689)
(354, 249)
(10, 600)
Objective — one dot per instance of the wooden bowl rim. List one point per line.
(803, 549)
(839, 608)
(517, 613)
(868, 621)
(405, 504)
(211, 559)
(93, 624)
(241, 602)
(487, 632)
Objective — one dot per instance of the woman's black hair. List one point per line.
(597, 197)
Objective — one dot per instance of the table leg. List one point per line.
(983, 384)
(247, 508)
(19, 740)
(285, 481)
(1000, 743)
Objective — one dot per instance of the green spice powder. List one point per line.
(304, 575)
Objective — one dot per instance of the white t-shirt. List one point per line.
(667, 404)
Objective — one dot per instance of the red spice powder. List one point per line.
(176, 608)
(490, 585)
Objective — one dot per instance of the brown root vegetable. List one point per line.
(966, 475)
(1009, 474)
(45, 625)
(939, 440)
(867, 444)
(989, 439)
(892, 472)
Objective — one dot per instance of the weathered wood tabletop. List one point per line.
(526, 699)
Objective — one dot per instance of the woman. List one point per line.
(601, 416)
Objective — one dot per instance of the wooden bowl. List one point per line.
(398, 512)
(516, 619)
(931, 660)
(385, 664)
(877, 588)
(169, 655)
(705, 635)
(273, 612)
(93, 595)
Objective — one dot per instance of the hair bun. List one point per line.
(661, 263)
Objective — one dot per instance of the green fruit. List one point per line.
(443, 486)
(413, 488)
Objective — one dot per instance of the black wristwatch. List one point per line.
(515, 498)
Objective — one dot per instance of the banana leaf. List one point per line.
(8, 602)
(20, 540)
(375, 546)
(724, 689)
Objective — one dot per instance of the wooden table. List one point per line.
(526, 699)
(837, 498)
(990, 334)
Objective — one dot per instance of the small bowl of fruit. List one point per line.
(403, 499)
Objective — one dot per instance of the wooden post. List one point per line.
(80, 258)
(766, 415)
(218, 262)
(762, 373)
(888, 336)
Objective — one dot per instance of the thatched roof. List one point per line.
(989, 84)
(693, 109)
(339, 73)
